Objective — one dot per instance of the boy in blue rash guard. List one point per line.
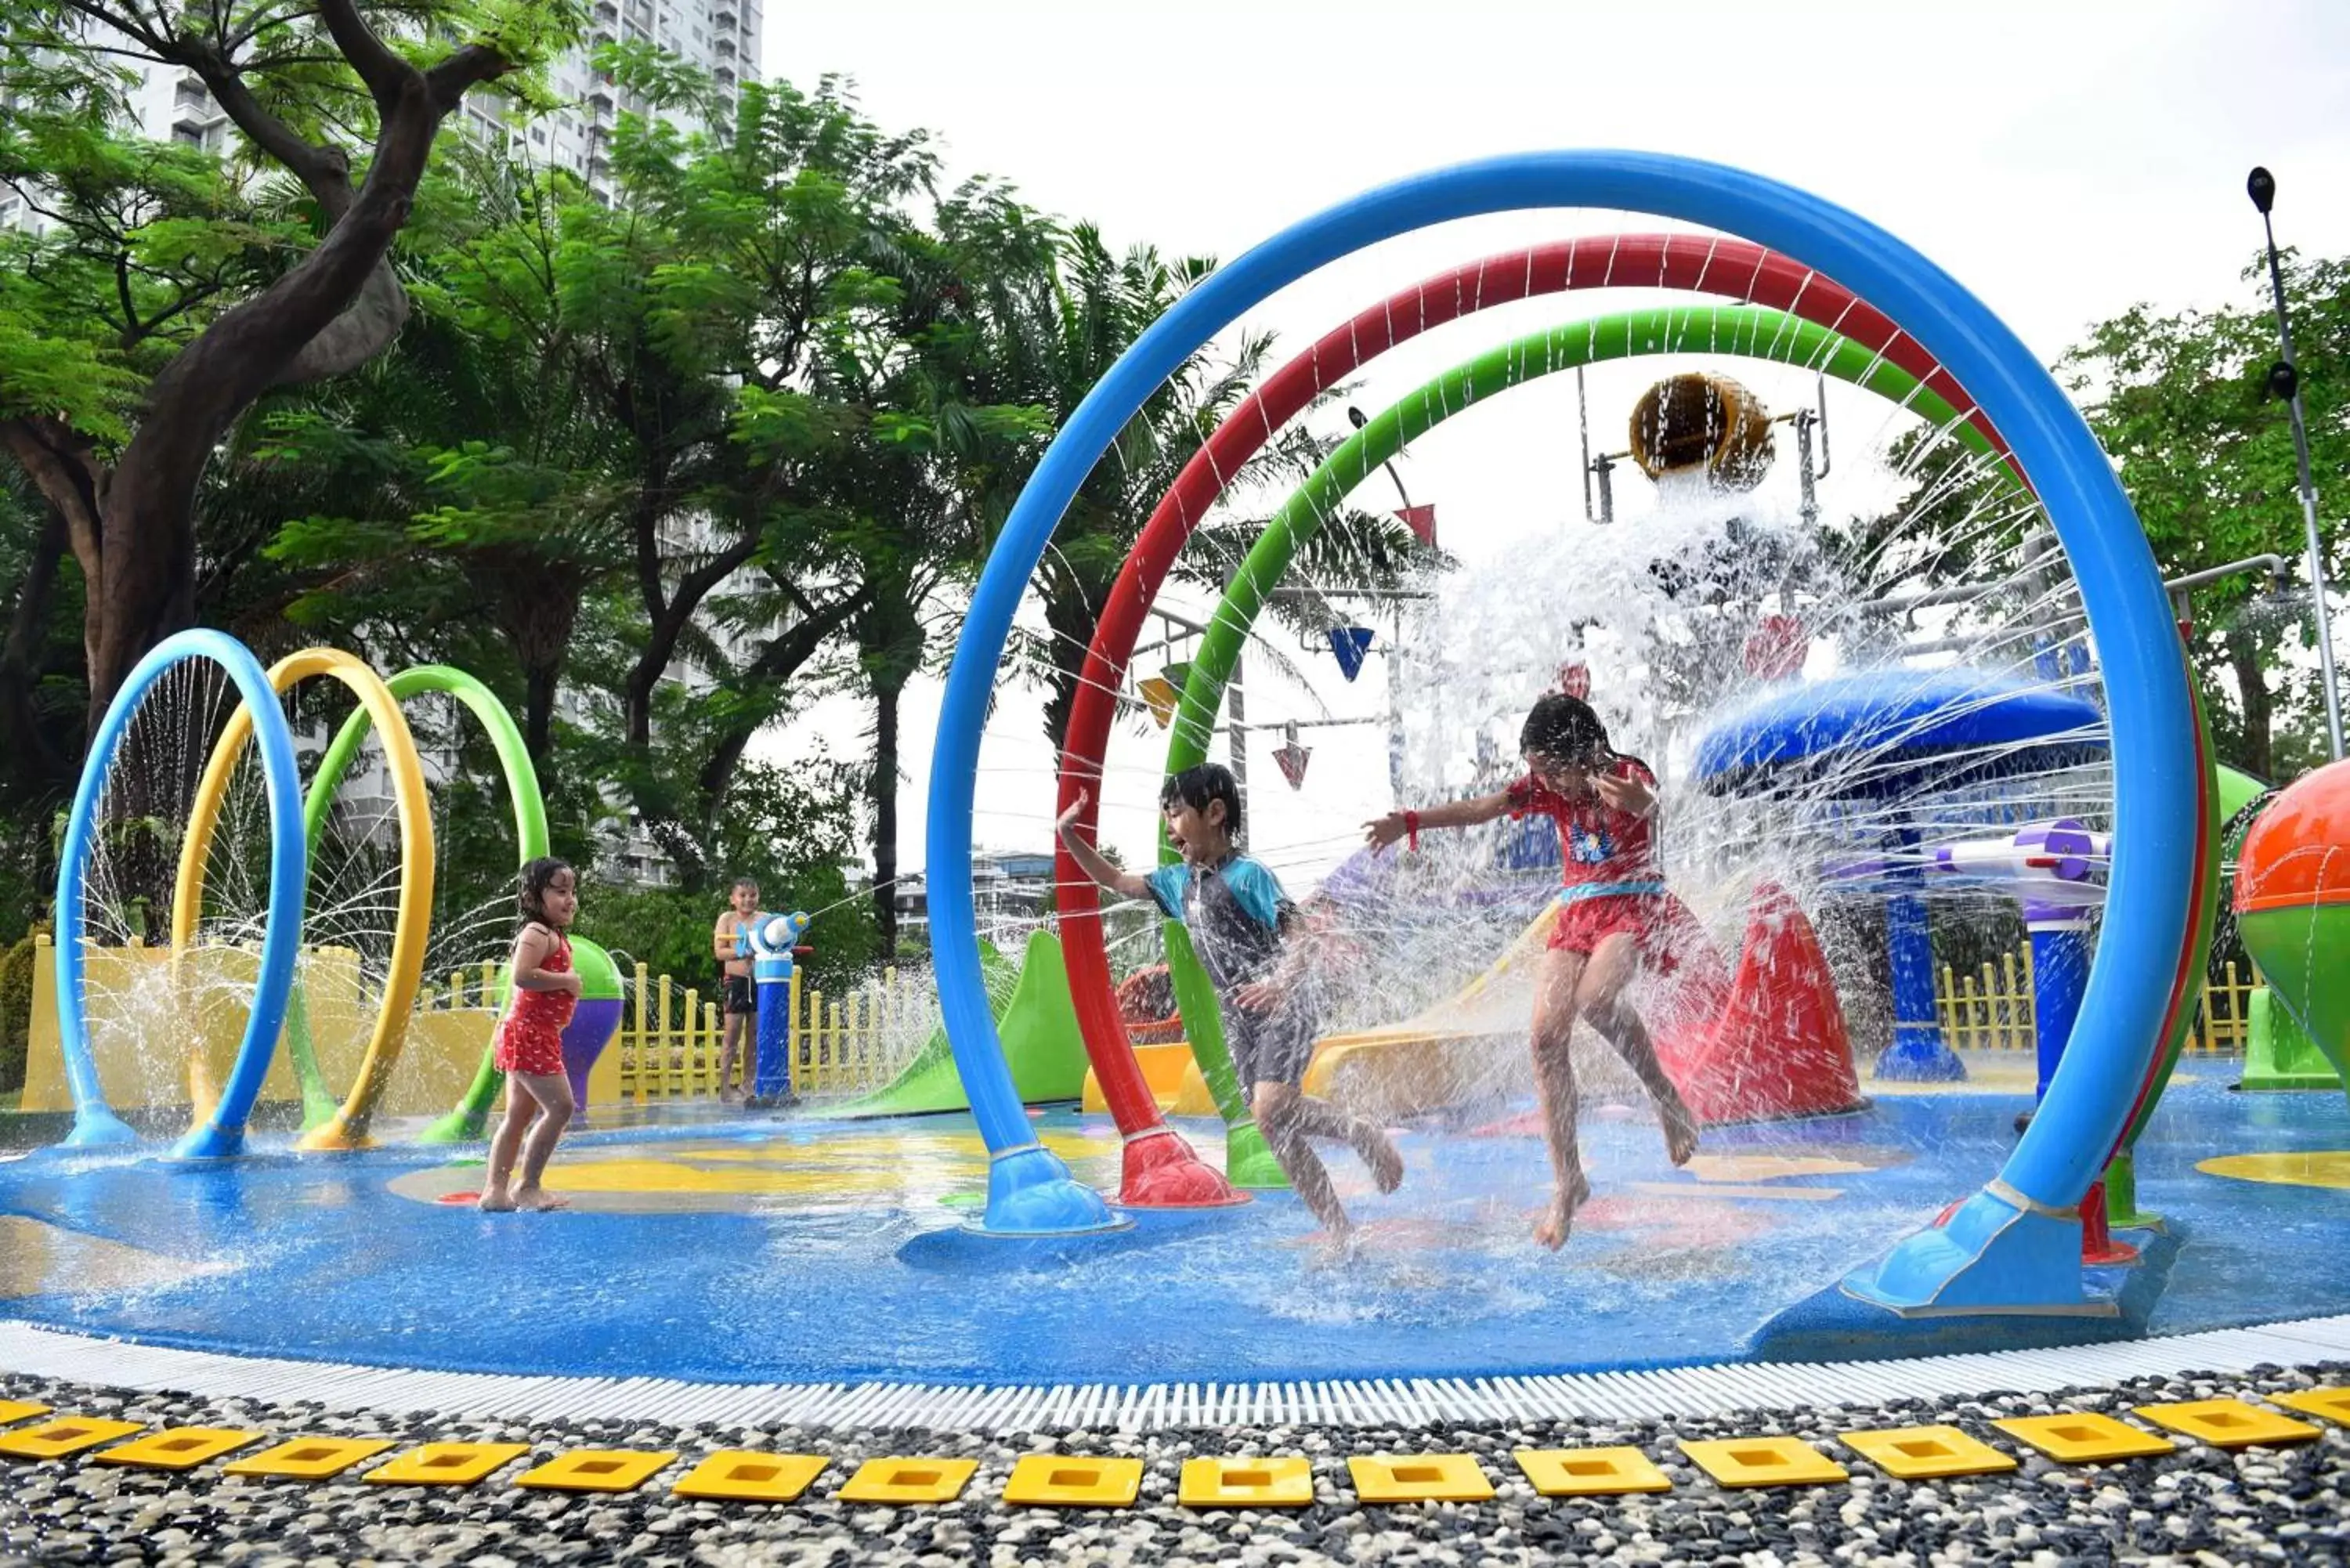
(1242, 928)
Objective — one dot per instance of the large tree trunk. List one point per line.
(541, 611)
(886, 696)
(330, 312)
(33, 759)
(2252, 699)
(149, 538)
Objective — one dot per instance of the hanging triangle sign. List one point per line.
(1161, 696)
(1350, 643)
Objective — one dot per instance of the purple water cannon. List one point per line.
(2056, 872)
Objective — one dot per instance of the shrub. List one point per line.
(15, 1012)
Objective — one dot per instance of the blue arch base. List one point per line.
(97, 1127)
(1994, 1253)
(222, 1134)
(1031, 1193)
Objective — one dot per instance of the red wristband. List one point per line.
(1411, 831)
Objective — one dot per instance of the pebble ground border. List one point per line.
(2198, 1504)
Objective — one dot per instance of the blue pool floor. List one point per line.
(814, 1250)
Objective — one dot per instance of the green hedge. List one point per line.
(15, 1012)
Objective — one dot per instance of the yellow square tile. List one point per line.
(1246, 1483)
(1421, 1478)
(178, 1448)
(2084, 1439)
(1590, 1472)
(307, 1459)
(749, 1475)
(1926, 1453)
(1054, 1480)
(65, 1435)
(596, 1470)
(2230, 1423)
(1762, 1461)
(447, 1464)
(17, 1409)
(908, 1481)
(2332, 1403)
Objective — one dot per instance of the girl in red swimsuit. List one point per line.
(1615, 918)
(530, 1039)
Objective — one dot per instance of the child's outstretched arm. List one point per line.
(1125, 884)
(1380, 832)
(1299, 946)
(531, 950)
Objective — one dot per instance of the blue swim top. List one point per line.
(1234, 912)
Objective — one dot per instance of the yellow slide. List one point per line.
(1472, 1041)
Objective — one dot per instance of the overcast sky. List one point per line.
(2062, 160)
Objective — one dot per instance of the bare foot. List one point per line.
(1334, 1247)
(1681, 1133)
(1559, 1222)
(729, 1095)
(538, 1200)
(1379, 1152)
(496, 1201)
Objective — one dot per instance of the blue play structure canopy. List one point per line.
(1885, 733)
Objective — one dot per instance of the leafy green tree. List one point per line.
(2180, 401)
(793, 831)
(222, 286)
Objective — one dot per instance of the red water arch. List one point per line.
(1159, 1167)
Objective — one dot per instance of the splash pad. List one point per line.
(1793, 1237)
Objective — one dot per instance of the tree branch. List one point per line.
(779, 660)
(469, 67)
(388, 77)
(325, 172)
(64, 469)
(132, 331)
(355, 337)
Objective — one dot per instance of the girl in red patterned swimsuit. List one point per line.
(530, 1039)
(1615, 918)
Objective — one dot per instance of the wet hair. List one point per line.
(1565, 730)
(740, 883)
(1196, 786)
(530, 888)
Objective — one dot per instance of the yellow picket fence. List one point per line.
(672, 1041)
(1992, 1010)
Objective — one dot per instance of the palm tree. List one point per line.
(1061, 338)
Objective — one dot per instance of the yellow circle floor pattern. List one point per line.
(2305, 1167)
(887, 1167)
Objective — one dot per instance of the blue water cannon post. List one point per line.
(774, 943)
(1919, 1053)
(2056, 872)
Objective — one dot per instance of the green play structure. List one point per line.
(1038, 1026)
(2278, 1053)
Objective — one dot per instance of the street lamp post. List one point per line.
(2285, 381)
